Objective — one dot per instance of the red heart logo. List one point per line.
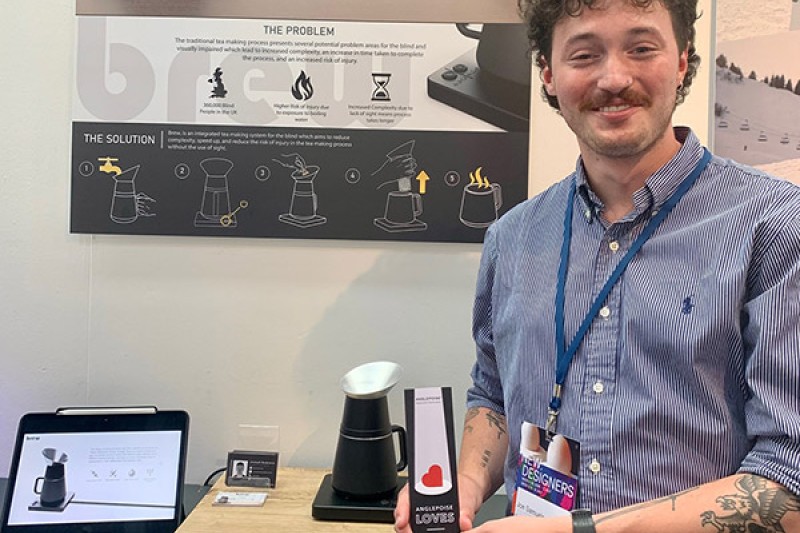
(433, 478)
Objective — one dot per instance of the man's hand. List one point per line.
(402, 511)
(470, 498)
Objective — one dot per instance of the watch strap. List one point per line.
(582, 521)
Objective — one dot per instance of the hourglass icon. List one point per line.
(380, 94)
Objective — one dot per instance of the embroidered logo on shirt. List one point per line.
(687, 306)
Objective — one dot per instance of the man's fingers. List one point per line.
(402, 511)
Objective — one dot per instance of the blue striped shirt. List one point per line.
(691, 371)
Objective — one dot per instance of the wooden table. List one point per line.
(287, 509)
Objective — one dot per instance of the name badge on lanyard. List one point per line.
(547, 473)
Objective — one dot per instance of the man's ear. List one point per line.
(546, 75)
(683, 66)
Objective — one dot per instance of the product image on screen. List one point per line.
(96, 477)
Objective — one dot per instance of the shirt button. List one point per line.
(605, 312)
(594, 466)
(614, 246)
(598, 387)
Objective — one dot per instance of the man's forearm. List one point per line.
(743, 502)
(483, 449)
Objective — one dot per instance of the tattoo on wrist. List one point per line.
(758, 506)
(498, 421)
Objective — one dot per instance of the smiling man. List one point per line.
(644, 310)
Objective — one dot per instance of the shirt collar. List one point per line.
(659, 186)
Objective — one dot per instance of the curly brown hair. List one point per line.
(542, 16)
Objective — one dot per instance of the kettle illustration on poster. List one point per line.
(127, 205)
(303, 207)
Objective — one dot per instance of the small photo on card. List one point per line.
(252, 469)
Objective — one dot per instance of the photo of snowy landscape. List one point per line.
(757, 94)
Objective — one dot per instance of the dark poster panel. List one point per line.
(316, 183)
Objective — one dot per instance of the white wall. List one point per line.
(235, 331)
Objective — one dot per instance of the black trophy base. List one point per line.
(329, 505)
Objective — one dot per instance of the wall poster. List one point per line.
(297, 129)
(757, 103)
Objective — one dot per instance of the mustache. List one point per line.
(628, 96)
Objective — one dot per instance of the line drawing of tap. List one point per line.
(107, 167)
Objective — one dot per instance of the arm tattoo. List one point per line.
(472, 412)
(652, 503)
(498, 421)
(487, 455)
(759, 507)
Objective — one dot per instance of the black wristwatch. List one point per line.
(582, 521)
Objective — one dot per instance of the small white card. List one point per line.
(240, 499)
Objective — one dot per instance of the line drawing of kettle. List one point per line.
(126, 204)
(123, 202)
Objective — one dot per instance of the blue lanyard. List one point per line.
(564, 353)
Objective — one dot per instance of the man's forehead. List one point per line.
(592, 20)
(575, 6)
(579, 9)
(633, 32)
